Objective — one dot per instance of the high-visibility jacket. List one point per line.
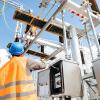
(15, 81)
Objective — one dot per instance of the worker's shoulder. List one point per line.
(19, 58)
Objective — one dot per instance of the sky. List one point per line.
(8, 25)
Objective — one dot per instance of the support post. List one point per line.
(77, 57)
(87, 5)
(75, 48)
(88, 40)
(65, 36)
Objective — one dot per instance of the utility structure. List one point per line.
(62, 29)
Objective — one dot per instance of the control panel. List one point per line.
(56, 78)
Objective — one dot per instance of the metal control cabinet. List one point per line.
(96, 68)
(63, 78)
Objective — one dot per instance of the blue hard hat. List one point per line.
(16, 48)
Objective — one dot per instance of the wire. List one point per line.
(3, 6)
(49, 10)
(3, 13)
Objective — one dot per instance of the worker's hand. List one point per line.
(33, 65)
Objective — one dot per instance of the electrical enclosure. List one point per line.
(63, 78)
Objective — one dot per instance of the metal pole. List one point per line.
(88, 40)
(75, 47)
(65, 36)
(76, 50)
(93, 28)
(47, 24)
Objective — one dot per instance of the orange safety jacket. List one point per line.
(15, 82)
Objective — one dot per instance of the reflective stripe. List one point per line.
(16, 83)
(14, 95)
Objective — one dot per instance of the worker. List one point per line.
(15, 77)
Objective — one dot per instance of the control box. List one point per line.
(63, 78)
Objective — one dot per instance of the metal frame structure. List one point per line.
(67, 5)
(48, 23)
(91, 18)
(74, 35)
(71, 5)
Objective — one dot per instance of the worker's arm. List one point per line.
(33, 65)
